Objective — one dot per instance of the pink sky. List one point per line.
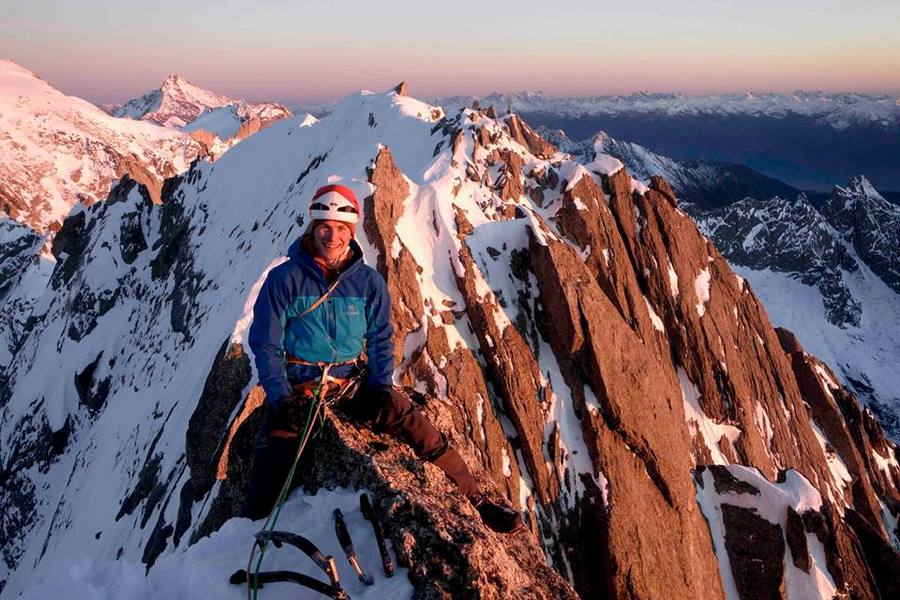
(276, 49)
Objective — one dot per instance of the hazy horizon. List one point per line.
(305, 51)
(323, 99)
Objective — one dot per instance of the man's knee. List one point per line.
(379, 406)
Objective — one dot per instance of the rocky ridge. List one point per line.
(593, 356)
(870, 224)
(826, 270)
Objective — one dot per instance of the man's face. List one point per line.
(331, 239)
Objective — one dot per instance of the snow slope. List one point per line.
(144, 320)
(202, 571)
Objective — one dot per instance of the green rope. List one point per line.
(253, 583)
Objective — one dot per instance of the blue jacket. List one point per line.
(356, 316)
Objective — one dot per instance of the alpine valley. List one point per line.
(596, 360)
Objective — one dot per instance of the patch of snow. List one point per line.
(701, 289)
(673, 278)
(479, 408)
(507, 470)
(840, 475)
(889, 520)
(238, 335)
(763, 423)
(700, 424)
(827, 380)
(639, 186)
(770, 504)
(885, 463)
(605, 164)
(654, 318)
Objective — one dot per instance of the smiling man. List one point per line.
(326, 309)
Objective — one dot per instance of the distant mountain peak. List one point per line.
(860, 186)
(178, 102)
(175, 79)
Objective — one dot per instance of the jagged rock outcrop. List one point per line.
(628, 426)
(871, 224)
(382, 210)
(521, 132)
(841, 255)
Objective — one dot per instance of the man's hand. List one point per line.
(290, 413)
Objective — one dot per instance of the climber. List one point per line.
(322, 309)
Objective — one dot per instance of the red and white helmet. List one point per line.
(334, 203)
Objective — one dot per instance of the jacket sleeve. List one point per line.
(379, 345)
(267, 339)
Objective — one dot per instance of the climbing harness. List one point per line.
(224, 446)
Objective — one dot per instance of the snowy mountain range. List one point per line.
(57, 150)
(591, 354)
(836, 110)
(178, 104)
(703, 182)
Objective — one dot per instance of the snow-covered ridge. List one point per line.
(56, 150)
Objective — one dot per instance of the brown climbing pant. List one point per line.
(386, 410)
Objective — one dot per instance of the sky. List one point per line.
(110, 51)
